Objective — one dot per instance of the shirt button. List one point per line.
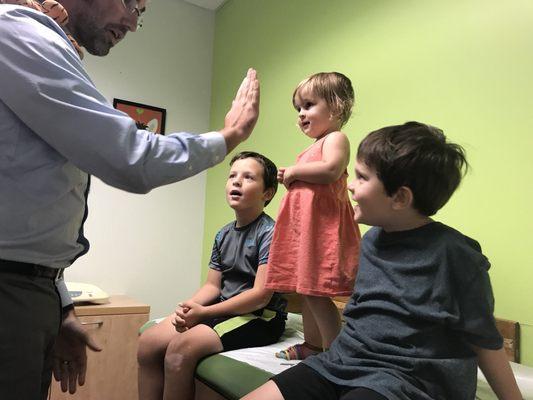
(190, 167)
(217, 158)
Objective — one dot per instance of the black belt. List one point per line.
(16, 267)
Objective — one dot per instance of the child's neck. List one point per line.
(407, 224)
(328, 131)
(245, 217)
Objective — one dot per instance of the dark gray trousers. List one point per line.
(30, 315)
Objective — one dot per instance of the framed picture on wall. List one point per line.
(146, 117)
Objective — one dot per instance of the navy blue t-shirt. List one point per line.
(421, 298)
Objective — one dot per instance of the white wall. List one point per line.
(150, 246)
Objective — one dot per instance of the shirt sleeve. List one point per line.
(45, 86)
(66, 300)
(216, 259)
(475, 300)
(264, 244)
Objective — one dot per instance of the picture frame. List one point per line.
(146, 117)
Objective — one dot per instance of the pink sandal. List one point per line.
(298, 351)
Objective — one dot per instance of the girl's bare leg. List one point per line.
(311, 329)
(312, 337)
(326, 316)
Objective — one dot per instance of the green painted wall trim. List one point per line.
(462, 65)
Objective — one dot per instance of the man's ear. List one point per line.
(402, 199)
(268, 194)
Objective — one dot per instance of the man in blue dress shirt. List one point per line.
(56, 130)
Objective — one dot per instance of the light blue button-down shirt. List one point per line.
(56, 129)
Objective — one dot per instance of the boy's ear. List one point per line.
(268, 194)
(402, 199)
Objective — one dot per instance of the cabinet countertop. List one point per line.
(118, 304)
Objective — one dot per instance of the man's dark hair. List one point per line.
(417, 156)
(270, 171)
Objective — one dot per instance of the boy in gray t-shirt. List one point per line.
(420, 319)
(232, 309)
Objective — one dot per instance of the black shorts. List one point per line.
(317, 387)
(249, 330)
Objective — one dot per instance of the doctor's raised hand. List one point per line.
(242, 116)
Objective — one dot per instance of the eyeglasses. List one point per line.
(133, 7)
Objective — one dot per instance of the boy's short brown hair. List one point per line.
(417, 156)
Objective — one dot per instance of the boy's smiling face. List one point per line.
(374, 205)
(245, 188)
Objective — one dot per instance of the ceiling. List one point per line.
(208, 4)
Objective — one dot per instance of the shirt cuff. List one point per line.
(63, 293)
(217, 145)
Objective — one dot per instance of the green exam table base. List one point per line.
(230, 378)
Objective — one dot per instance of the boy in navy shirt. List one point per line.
(421, 316)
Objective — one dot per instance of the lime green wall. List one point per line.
(462, 65)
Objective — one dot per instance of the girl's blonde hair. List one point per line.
(335, 88)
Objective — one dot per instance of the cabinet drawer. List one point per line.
(111, 373)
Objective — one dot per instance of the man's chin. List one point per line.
(98, 52)
(99, 49)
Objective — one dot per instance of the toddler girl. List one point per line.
(315, 247)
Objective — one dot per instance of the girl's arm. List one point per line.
(251, 300)
(335, 159)
(497, 370)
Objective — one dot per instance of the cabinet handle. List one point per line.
(99, 323)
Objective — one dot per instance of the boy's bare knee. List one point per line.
(180, 356)
(182, 352)
(149, 350)
(176, 362)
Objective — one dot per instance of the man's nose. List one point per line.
(130, 21)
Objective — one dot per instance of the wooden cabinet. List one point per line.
(112, 373)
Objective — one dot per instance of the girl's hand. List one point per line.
(193, 315)
(288, 176)
(281, 172)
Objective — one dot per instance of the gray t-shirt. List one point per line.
(237, 252)
(421, 297)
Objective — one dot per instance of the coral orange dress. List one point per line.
(315, 246)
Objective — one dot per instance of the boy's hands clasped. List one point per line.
(187, 315)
